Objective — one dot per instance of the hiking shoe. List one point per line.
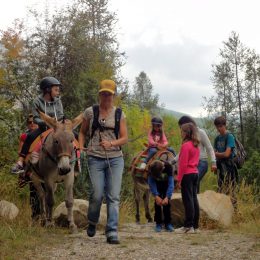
(17, 169)
(197, 231)
(181, 230)
(190, 230)
(142, 166)
(113, 240)
(169, 228)
(91, 230)
(158, 228)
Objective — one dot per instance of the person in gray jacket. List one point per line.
(206, 150)
(48, 102)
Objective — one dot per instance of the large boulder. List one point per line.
(214, 206)
(8, 210)
(80, 209)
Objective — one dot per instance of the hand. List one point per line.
(178, 185)
(158, 201)
(106, 144)
(165, 201)
(213, 168)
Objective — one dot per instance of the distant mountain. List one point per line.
(176, 114)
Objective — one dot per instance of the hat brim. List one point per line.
(106, 90)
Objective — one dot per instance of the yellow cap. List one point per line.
(107, 85)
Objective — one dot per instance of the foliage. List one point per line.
(143, 92)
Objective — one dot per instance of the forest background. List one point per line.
(78, 45)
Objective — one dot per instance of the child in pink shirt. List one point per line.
(188, 177)
(156, 140)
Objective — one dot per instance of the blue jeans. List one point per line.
(102, 180)
(202, 168)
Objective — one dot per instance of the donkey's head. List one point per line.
(62, 141)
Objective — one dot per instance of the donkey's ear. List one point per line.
(77, 121)
(50, 122)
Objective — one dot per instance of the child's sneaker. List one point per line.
(142, 166)
(190, 230)
(158, 228)
(181, 230)
(169, 228)
(17, 169)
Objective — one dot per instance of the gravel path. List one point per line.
(141, 242)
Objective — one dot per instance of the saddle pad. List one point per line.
(37, 143)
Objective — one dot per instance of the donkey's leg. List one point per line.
(146, 197)
(49, 202)
(69, 180)
(41, 193)
(137, 197)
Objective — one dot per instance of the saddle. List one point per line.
(140, 158)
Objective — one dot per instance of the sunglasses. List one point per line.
(106, 94)
(29, 122)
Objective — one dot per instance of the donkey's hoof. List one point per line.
(49, 224)
(73, 229)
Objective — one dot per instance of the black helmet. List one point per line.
(48, 82)
(156, 121)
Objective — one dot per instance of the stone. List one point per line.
(8, 210)
(80, 208)
(214, 206)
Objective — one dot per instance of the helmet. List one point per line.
(48, 82)
(156, 121)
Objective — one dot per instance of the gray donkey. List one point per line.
(56, 165)
(141, 187)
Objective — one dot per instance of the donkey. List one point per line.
(54, 166)
(141, 187)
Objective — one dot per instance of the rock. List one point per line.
(214, 206)
(80, 208)
(8, 210)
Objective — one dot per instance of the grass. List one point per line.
(19, 240)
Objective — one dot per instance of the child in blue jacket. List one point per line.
(160, 180)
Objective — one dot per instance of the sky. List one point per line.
(175, 42)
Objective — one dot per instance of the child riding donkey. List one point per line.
(156, 141)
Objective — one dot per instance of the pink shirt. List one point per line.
(153, 140)
(188, 159)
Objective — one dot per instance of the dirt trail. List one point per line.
(141, 242)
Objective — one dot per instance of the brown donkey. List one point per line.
(141, 187)
(54, 166)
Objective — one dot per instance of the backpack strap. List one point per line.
(95, 124)
(118, 114)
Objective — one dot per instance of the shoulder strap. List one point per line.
(118, 114)
(95, 124)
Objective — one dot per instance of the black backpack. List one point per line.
(96, 124)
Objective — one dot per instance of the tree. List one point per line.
(143, 92)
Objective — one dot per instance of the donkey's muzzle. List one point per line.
(64, 171)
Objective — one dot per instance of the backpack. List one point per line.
(96, 124)
(239, 152)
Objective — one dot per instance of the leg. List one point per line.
(151, 152)
(195, 202)
(137, 197)
(157, 214)
(170, 149)
(202, 168)
(69, 180)
(146, 197)
(34, 202)
(186, 192)
(167, 214)
(49, 201)
(97, 181)
(113, 187)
